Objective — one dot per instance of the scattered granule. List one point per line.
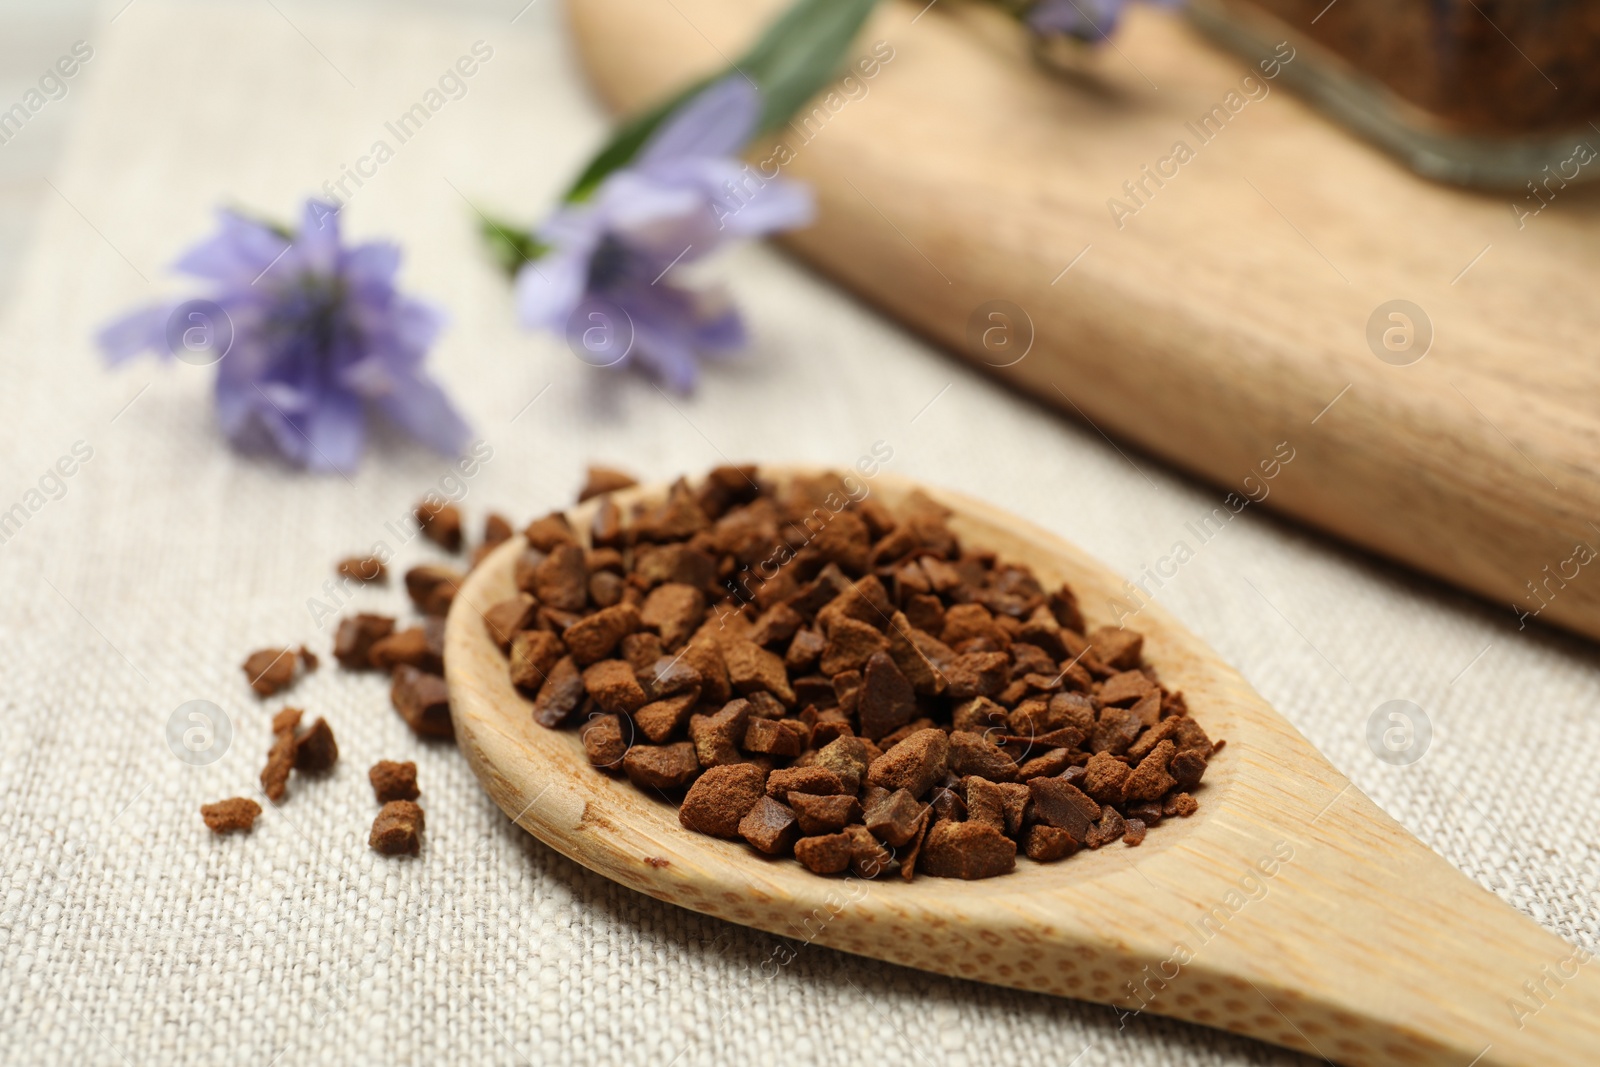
(966, 850)
(601, 480)
(421, 647)
(227, 816)
(769, 826)
(393, 781)
(363, 569)
(721, 797)
(281, 756)
(440, 523)
(1133, 835)
(914, 764)
(432, 588)
(397, 830)
(661, 766)
(824, 814)
(497, 529)
(270, 670)
(353, 641)
(308, 659)
(506, 619)
(315, 750)
(423, 701)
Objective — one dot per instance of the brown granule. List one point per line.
(661, 766)
(423, 701)
(363, 569)
(281, 756)
(828, 854)
(914, 764)
(231, 815)
(817, 781)
(508, 618)
(597, 636)
(601, 480)
(769, 826)
(315, 750)
(824, 814)
(604, 742)
(613, 687)
(432, 588)
(883, 698)
(353, 641)
(397, 830)
(497, 530)
(393, 781)
(1046, 844)
(721, 797)
(967, 850)
(270, 670)
(440, 523)
(421, 647)
(534, 654)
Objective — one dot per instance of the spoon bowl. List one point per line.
(1289, 908)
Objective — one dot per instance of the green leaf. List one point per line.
(510, 245)
(800, 54)
(794, 59)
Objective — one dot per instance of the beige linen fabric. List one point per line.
(128, 934)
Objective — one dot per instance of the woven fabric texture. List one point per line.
(129, 934)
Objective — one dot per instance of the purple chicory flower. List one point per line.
(681, 198)
(313, 336)
(1087, 20)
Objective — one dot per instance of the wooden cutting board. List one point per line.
(1225, 310)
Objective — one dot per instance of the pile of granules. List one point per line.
(798, 667)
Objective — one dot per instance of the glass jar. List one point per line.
(1496, 93)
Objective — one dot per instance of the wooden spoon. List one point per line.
(1289, 908)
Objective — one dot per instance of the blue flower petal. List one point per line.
(718, 121)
